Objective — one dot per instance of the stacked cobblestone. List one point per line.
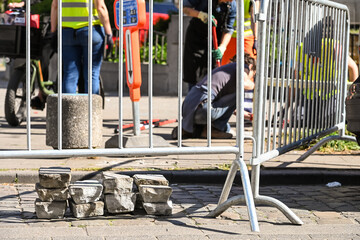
(118, 194)
(52, 190)
(155, 193)
(85, 198)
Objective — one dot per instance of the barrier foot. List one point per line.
(248, 196)
(322, 142)
(281, 206)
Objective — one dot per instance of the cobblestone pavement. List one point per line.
(327, 213)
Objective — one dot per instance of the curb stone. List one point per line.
(268, 176)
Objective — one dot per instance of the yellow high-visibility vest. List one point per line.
(322, 72)
(75, 14)
(247, 21)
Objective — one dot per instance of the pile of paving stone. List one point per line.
(154, 194)
(114, 194)
(52, 190)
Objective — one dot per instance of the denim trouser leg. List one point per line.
(75, 57)
(97, 55)
(221, 112)
(72, 61)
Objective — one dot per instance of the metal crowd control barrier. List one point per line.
(237, 150)
(300, 85)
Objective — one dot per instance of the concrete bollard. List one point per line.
(74, 121)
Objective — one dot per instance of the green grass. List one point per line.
(335, 146)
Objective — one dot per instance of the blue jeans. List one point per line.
(75, 57)
(221, 111)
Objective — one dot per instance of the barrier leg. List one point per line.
(259, 199)
(229, 181)
(322, 142)
(248, 196)
(281, 206)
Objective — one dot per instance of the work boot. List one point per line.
(185, 134)
(217, 134)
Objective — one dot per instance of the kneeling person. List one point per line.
(223, 103)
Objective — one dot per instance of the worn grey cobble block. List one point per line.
(51, 194)
(158, 208)
(150, 179)
(116, 183)
(50, 210)
(85, 191)
(74, 121)
(120, 203)
(155, 193)
(54, 177)
(87, 209)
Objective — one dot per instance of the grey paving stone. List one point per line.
(84, 210)
(52, 194)
(50, 210)
(116, 183)
(155, 193)
(55, 177)
(150, 179)
(85, 191)
(158, 208)
(120, 203)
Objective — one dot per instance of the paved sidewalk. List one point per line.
(327, 213)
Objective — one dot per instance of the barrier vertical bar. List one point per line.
(180, 73)
(318, 67)
(272, 69)
(240, 116)
(296, 73)
(288, 74)
(301, 64)
(209, 76)
(266, 67)
(283, 76)
(28, 75)
(60, 80)
(90, 50)
(278, 111)
(121, 74)
(150, 77)
(345, 72)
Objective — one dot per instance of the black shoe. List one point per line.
(185, 134)
(37, 104)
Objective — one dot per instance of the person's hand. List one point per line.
(254, 48)
(109, 45)
(218, 53)
(203, 16)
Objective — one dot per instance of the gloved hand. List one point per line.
(203, 16)
(109, 45)
(254, 48)
(218, 53)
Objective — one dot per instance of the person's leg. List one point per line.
(98, 50)
(195, 58)
(98, 41)
(71, 58)
(248, 46)
(221, 112)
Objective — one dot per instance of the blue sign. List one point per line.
(130, 13)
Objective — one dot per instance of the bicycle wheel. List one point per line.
(15, 99)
